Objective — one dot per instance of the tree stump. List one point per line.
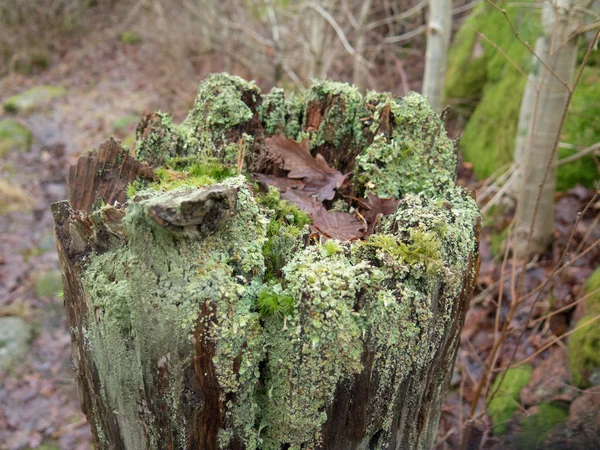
(206, 311)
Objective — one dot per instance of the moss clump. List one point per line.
(284, 232)
(48, 284)
(33, 98)
(535, 428)
(14, 137)
(419, 156)
(506, 400)
(489, 89)
(584, 344)
(581, 129)
(131, 37)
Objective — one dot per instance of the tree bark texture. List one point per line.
(180, 338)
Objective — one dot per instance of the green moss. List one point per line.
(487, 87)
(190, 174)
(47, 284)
(33, 99)
(284, 232)
(131, 37)
(506, 400)
(418, 157)
(14, 137)
(535, 428)
(581, 129)
(584, 344)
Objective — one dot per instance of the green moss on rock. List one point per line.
(506, 400)
(14, 137)
(32, 99)
(536, 427)
(486, 86)
(584, 344)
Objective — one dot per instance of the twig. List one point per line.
(579, 155)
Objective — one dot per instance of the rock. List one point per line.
(15, 334)
(14, 137)
(47, 284)
(583, 426)
(32, 99)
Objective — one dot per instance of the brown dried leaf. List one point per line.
(375, 208)
(320, 179)
(303, 202)
(337, 225)
(282, 184)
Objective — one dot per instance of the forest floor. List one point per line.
(109, 85)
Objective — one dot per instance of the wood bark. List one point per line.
(355, 417)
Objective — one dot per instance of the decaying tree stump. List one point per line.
(207, 313)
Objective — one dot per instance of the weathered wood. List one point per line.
(171, 348)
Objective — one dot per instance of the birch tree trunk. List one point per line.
(166, 279)
(439, 29)
(535, 211)
(357, 72)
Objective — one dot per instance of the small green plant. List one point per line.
(272, 302)
(425, 247)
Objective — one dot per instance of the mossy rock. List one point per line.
(14, 137)
(47, 283)
(131, 37)
(32, 99)
(15, 336)
(488, 89)
(506, 400)
(584, 344)
(536, 428)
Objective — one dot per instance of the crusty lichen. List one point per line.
(419, 156)
(290, 322)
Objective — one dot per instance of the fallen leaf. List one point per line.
(304, 202)
(337, 225)
(320, 180)
(375, 208)
(280, 183)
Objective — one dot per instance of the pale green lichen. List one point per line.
(419, 156)
(289, 321)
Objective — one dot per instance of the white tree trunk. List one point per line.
(536, 199)
(357, 75)
(436, 55)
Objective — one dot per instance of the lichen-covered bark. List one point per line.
(202, 316)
